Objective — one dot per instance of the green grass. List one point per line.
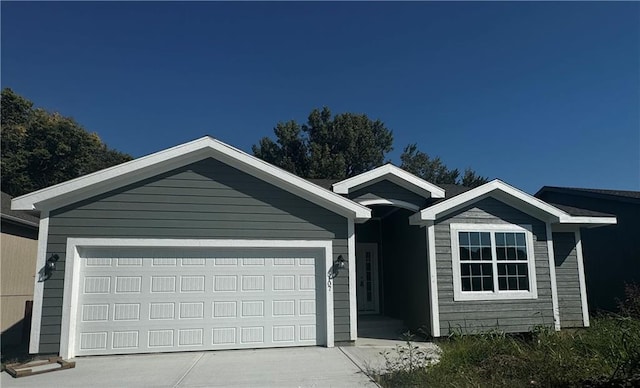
(606, 354)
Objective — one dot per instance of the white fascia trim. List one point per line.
(450, 205)
(433, 280)
(596, 221)
(581, 278)
(459, 295)
(389, 202)
(353, 302)
(394, 174)
(174, 157)
(38, 285)
(497, 186)
(72, 273)
(552, 275)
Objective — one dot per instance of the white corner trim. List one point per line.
(395, 175)
(389, 202)
(353, 301)
(433, 280)
(459, 295)
(150, 165)
(552, 275)
(582, 279)
(72, 273)
(328, 295)
(38, 286)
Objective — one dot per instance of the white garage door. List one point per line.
(162, 300)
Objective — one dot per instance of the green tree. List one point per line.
(327, 147)
(434, 170)
(40, 149)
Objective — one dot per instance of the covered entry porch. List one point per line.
(392, 286)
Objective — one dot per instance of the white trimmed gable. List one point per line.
(511, 196)
(74, 190)
(393, 174)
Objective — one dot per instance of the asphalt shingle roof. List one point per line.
(28, 217)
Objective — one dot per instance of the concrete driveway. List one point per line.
(286, 367)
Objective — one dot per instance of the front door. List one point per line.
(367, 278)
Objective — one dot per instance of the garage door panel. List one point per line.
(132, 301)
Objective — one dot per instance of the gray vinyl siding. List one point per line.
(506, 315)
(206, 199)
(568, 283)
(388, 190)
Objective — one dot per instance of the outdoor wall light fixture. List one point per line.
(339, 264)
(50, 266)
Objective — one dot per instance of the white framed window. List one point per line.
(493, 261)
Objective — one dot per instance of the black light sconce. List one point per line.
(339, 264)
(50, 266)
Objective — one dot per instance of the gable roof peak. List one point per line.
(394, 174)
(102, 181)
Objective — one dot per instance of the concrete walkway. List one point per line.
(286, 367)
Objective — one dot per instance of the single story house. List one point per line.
(203, 246)
(18, 247)
(611, 255)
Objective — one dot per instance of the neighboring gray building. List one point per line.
(203, 247)
(611, 254)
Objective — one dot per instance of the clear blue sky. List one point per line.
(532, 93)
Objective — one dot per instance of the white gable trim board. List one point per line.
(73, 288)
(513, 197)
(393, 174)
(108, 179)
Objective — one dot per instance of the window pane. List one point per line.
(465, 270)
(500, 239)
(474, 238)
(511, 253)
(486, 253)
(523, 270)
(476, 284)
(502, 283)
(502, 253)
(523, 283)
(487, 283)
(464, 253)
(522, 254)
(502, 269)
(511, 269)
(463, 238)
(475, 269)
(513, 283)
(511, 239)
(475, 253)
(466, 284)
(520, 240)
(485, 239)
(487, 269)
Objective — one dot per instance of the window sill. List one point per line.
(479, 296)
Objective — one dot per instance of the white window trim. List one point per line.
(72, 273)
(459, 295)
